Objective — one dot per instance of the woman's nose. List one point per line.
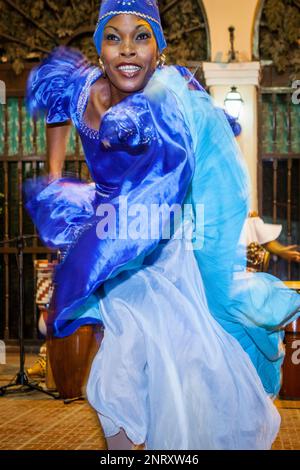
(128, 50)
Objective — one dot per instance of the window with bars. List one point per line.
(279, 170)
(22, 156)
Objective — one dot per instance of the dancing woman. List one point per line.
(192, 351)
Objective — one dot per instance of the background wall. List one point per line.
(248, 139)
(224, 13)
(221, 14)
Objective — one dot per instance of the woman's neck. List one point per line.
(117, 95)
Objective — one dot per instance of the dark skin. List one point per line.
(57, 140)
(289, 252)
(126, 39)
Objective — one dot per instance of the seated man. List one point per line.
(261, 238)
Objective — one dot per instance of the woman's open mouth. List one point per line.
(129, 71)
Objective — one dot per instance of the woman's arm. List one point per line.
(57, 141)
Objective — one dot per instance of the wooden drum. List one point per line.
(71, 358)
(290, 389)
(44, 289)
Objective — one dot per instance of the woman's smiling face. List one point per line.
(129, 53)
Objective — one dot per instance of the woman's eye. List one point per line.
(112, 37)
(144, 36)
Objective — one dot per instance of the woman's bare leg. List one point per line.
(119, 442)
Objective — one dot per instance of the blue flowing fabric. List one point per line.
(192, 344)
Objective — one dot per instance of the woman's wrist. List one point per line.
(52, 176)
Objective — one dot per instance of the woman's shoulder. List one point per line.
(54, 85)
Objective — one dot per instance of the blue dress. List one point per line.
(192, 348)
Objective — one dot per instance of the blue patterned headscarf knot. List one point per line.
(147, 9)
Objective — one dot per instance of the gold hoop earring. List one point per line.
(102, 67)
(161, 61)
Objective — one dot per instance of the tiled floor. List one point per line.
(35, 421)
(289, 436)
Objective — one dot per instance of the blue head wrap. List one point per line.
(147, 9)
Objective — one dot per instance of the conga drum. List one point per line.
(68, 359)
(290, 389)
(44, 290)
(71, 358)
(44, 286)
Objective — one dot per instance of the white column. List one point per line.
(245, 76)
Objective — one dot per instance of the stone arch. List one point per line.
(186, 28)
(256, 25)
(276, 35)
(29, 32)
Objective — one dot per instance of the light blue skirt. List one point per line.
(167, 372)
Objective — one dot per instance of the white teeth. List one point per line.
(129, 68)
